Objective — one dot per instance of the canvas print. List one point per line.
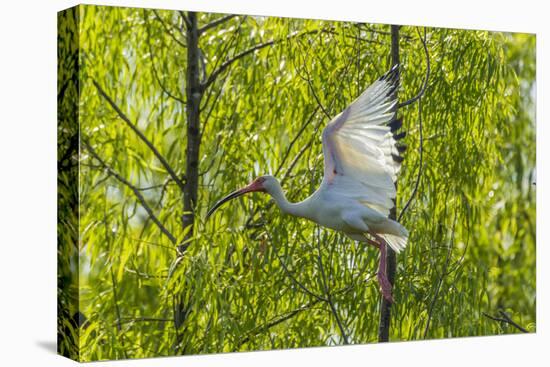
(234, 183)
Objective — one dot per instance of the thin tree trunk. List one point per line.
(385, 306)
(193, 92)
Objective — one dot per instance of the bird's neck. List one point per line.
(296, 209)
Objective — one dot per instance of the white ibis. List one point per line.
(358, 188)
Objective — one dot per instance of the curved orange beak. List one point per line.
(252, 187)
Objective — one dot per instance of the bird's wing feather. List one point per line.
(361, 156)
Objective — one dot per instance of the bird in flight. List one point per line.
(362, 160)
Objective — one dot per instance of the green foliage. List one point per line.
(472, 220)
(67, 176)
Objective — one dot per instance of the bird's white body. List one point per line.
(332, 210)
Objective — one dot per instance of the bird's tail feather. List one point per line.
(397, 237)
(397, 243)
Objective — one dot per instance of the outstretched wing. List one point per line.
(359, 145)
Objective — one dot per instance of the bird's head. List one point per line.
(260, 184)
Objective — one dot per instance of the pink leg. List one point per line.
(382, 275)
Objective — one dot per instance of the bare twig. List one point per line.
(142, 274)
(329, 296)
(146, 188)
(277, 320)
(307, 79)
(214, 75)
(109, 239)
(115, 299)
(185, 19)
(297, 282)
(152, 187)
(149, 243)
(319, 104)
(165, 26)
(288, 315)
(299, 155)
(293, 163)
(144, 319)
(289, 274)
(147, 142)
(215, 23)
(420, 164)
(222, 52)
(136, 192)
(289, 148)
(441, 278)
(153, 67)
(506, 319)
(159, 201)
(426, 78)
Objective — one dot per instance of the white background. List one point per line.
(28, 182)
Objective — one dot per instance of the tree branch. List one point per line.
(144, 319)
(220, 51)
(506, 319)
(277, 321)
(286, 316)
(153, 187)
(165, 26)
(420, 164)
(300, 154)
(153, 67)
(150, 145)
(307, 79)
(426, 78)
(215, 23)
(310, 85)
(185, 19)
(289, 274)
(291, 144)
(149, 243)
(136, 192)
(214, 75)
